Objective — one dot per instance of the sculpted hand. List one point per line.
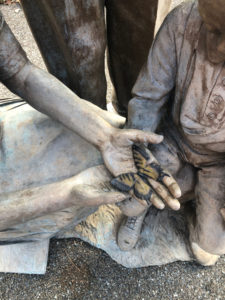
(89, 195)
(91, 187)
(151, 184)
(117, 150)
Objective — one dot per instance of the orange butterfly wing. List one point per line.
(124, 182)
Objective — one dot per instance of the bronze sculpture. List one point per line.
(72, 37)
(187, 107)
(50, 96)
(166, 228)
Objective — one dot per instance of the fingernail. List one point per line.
(177, 193)
(121, 197)
(161, 206)
(175, 205)
(161, 137)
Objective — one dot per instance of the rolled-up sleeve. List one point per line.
(156, 80)
(12, 56)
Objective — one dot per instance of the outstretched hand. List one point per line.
(158, 187)
(117, 151)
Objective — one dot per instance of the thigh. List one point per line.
(71, 37)
(130, 29)
(209, 230)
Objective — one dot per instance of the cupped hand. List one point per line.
(147, 182)
(117, 150)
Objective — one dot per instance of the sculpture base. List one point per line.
(28, 258)
(164, 237)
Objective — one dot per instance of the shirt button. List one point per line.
(218, 99)
(211, 116)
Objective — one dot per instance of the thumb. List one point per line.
(140, 136)
(113, 197)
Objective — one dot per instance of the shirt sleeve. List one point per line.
(12, 56)
(156, 80)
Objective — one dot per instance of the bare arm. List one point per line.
(22, 206)
(48, 95)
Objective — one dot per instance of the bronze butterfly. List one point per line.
(138, 182)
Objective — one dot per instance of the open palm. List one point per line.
(118, 157)
(117, 152)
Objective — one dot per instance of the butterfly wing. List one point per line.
(124, 182)
(154, 171)
(149, 171)
(140, 156)
(142, 190)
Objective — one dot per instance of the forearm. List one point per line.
(22, 206)
(145, 114)
(48, 95)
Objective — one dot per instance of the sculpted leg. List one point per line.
(130, 29)
(207, 234)
(72, 40)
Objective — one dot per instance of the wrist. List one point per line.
(109, 135)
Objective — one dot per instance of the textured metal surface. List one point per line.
(28, 258)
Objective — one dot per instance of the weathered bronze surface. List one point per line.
(71, 36)
(52, 177)
(180, 92)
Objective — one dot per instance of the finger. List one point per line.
(112, 197)
(164, 194)
(143, 202)
(138, 136)
(157, 202)
(166, 177)
(89, 195)
(172, 185)
(155, 171)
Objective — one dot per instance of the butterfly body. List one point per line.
(133, 182)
